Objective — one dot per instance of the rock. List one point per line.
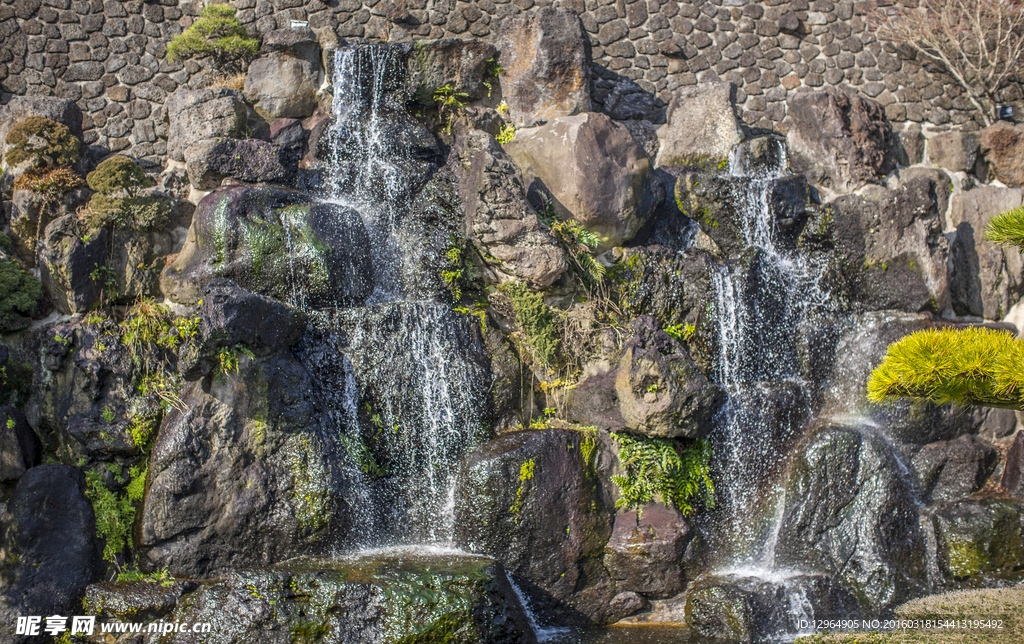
(252, 161)
(453, 62)
(545, 60)
(18, 108)
(850, 513)
(195, 115)
(531, 492)
(789, 21)
(499, 219)
(275, 243)
(30, 214)
(721, 205)
(230, 316)
(910, 145)
(955, 150)
(1012, 480)
(654, 389)
(1002, 146)
(683, 298)
(48, 554)
(288, 134)
(749, 609)
(590, 169)
(892, 248)
(987, 279)
(413, 598)
(951, 470)
(978, 538)
(67, 261)
(701, 125)
(129, 601)
(943, 187)
(645, 555)
(137, 258)
(19, 448)
(247, 447)
(284, 82)
(627, 100)
(839, 141)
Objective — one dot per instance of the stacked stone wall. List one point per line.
(109, 56)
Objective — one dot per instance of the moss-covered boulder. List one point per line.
(404, 597)
(275, 243)
(980, 540)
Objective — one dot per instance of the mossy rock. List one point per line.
(981, 539)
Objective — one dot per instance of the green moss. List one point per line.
(964, 559)
(129, 213)
(114, 516)
(20, 293)
(537, 321)
(42, 142)
(526, 471)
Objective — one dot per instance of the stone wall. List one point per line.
(109, 56)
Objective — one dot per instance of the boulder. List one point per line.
(19, 448)
(67, 261)
(1012, 479)
(683, 297)
(30, 214)
(137, 258)
(951, 470)
(195, 115)
(531, 492)
(987, 279)
(230, 316)
(242, 448)
(851, 514)
(701, 126)
(134, 601)
(655, 389)
(910, 144)
(408, 598)
(283, 82)
(1002, 146)
(645, 553)
(499, 219)
(942, 187)
(979, 538)
(545, 60)
(275, 243)
(453, 62)
(589, 168)
(48, 552)
(210, 161)
(954, 150)
(839, 141)
(892, 248)
(628, 101)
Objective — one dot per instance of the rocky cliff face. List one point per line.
(385, 306)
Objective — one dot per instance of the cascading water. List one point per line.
(401, 376)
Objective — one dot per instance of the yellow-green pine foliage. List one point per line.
(973, 366)
(41, 141)
(216, 33)
(1007, 228)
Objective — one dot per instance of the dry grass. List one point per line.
(1005, 604)
(233, 81)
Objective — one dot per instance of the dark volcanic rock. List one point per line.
(252, 161)
(1012, 480)
(645, 555)
(980, 538)
(840, 141)
(851, 513)
(67, 264)
(529, 499)
(19, 447)
(459, 64)
(1002, 145)
(197, 115)
(951, 470)
(48, 553)
(275, 243)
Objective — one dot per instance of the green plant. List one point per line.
(502, 107)
(217, 34)
(136, 488)
(449, 103)
(129, 213)
(107, 279)
(1007, 228)
(454, 270)
(42, 142)
(114, 516)
(116, 174)
(227, 358)
(660, 467)
(506, 133)
(52, 183)
(107, 414)
(680, 331)
(579, 244)
(141, 430)
(492, 71)
(537, 321)
(526, 471)
(162, 576)
(10, 423)
(20, 293)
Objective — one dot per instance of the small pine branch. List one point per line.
(1007, 228)
(973, 366)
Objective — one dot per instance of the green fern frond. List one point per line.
(656, 467)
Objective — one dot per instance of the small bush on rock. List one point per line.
(218, 34)
(118, 173)
(52, 183)
(42, 142)
(19, 294)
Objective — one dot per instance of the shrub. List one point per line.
(218, 34)
(115, 174)
(129, 213)
(19, 293)
(43, 142)
(658, 467)
(52, 183)
(114, 516)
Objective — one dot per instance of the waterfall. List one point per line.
(402, 379)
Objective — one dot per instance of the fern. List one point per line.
(655, 467)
